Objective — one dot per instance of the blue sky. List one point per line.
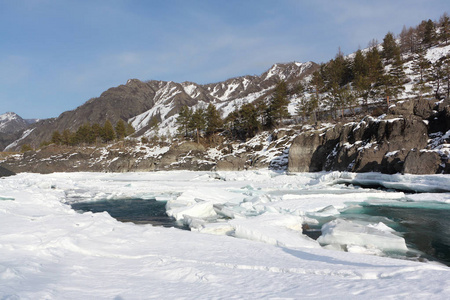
(57, 54)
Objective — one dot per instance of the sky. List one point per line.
(57, 54)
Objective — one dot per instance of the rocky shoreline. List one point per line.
(413, 138)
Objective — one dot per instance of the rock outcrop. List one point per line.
(263, 151)
(390, 144)
(5, 172)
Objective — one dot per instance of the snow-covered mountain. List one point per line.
(141, 102)
(226, 96)
(144, 104)
(11, 122)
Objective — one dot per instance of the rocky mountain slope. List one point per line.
(11, 128)
(11, 122)
(413, 138)
(141, 102)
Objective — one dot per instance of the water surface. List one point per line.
(138, 211)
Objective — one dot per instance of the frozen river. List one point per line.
(244, 239)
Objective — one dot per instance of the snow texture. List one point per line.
(245, 241)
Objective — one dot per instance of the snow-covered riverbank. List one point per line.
(256, 251)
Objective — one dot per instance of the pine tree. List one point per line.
(426, 34)
(277, 109)
(393, 80)
(129, 130)
(213, 119)
(375, 71)
(361, 82)
(197, 122)
(317, 85)
(56, 138)
(84, 134)
(390, 48)
(249, 123)
(429, 35)
(97, 130)
(66, 137)
(437, 77)
(183, 119)
(421, 67)
(108, 132)
(444, 28)
(120, 129)
(307, 107)
(338, 71)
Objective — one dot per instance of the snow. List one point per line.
(191, 90)
(245, 242)
(7, 117)
(272, 72)
(435, 53)
(16, 142)
(349, 234)
(231, 88)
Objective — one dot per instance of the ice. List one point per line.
(275, 229)
(410, 183)
(348, 234)
(245, 242)
(200, 210)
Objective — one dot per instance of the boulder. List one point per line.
(231, 163)
(302, 150)
(5, 172)
(422, 108)
(421, 162)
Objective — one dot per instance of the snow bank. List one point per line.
(254, 248)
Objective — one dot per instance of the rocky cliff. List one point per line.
(413, 138)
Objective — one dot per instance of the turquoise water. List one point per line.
(425, 226)
(138, 211)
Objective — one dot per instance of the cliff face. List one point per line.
(414, 138)
(415, 141)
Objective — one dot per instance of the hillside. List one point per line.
(11, 127)
(141, 102)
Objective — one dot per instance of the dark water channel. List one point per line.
(138, 211)
(425, 226)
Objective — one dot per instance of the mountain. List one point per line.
(141, 102)
(11, 127)
(11, 123)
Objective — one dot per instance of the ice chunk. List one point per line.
(350, 234)
(330, 210)
(275, 229)
(219, 228)
(199, 210)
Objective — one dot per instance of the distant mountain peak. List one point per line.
(11, 122)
